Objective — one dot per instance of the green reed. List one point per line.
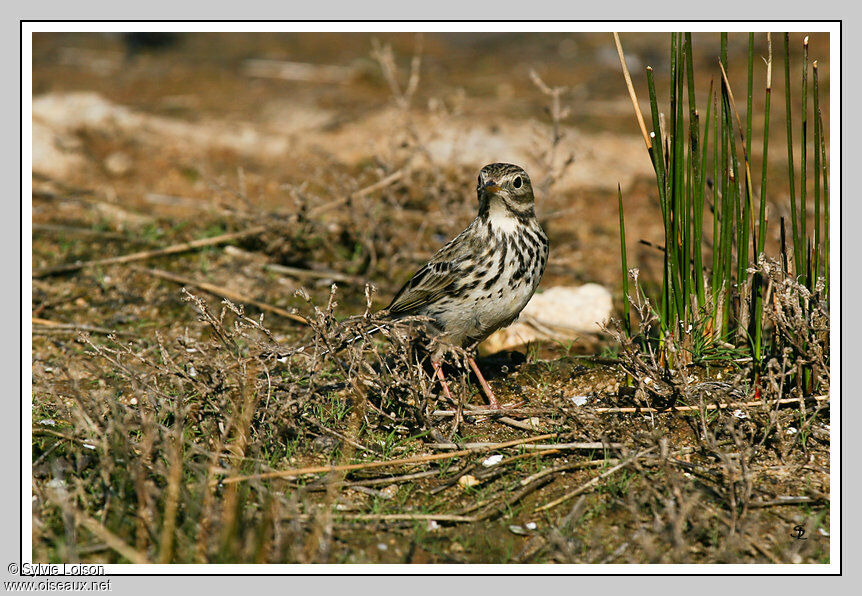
(710, 309)
(627, 318)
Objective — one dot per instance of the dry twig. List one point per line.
(223, 292)
(148, 254)
(394, 462)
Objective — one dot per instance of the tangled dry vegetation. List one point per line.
(251, 425)
(225, 446)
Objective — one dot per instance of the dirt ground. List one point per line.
(330, 163)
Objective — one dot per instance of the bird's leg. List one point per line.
(492, 399)
(493, 404)
(438, 370)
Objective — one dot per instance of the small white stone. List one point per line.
(48, 422)
(578, 400)
(492, 461)
(531, 525)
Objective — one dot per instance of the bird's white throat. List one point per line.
(501, 219)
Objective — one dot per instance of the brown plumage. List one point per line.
(481, 279)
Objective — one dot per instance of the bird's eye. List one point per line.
(517, 182)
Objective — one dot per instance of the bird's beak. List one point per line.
(491, 187)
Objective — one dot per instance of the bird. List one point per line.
(482, 279)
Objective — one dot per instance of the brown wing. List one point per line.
(429, 284)
(437, 278)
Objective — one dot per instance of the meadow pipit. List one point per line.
(482, 279)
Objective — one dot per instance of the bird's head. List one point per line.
(507, 182)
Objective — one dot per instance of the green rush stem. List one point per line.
(688, 280)
(683, 294)
(743, 210)
(738, 208)
(724, 256)
(693, 181)
(658, 166)
(826, 232)
(699, 194)
(803, 174)
(726, 213)
(627, 322)
(817, 133)
(716, 211)
(729, 201)
(757, 284)
(797, 256)
(761, 232)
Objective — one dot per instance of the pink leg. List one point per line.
(492, 399)
(439, 372)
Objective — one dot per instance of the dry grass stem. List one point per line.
(149, 254)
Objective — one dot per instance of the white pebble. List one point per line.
(492, 461)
